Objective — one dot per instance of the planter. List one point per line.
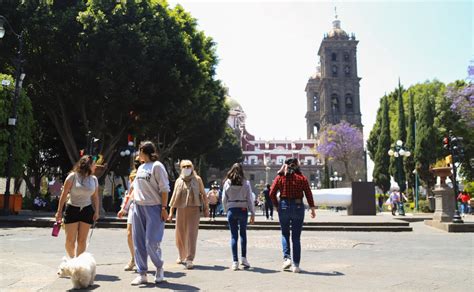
(14, 202)
(442, 172)
(444, 211)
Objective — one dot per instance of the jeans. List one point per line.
(212, 210)
(268, 207)
(291, 216)
(237, 218)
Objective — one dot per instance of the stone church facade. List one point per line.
(332, 93)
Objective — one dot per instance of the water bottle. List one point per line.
(56, 228)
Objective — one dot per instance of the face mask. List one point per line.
(187, 171)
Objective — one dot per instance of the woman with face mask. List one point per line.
(188, 197)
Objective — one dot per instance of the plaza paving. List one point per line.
(422, 260)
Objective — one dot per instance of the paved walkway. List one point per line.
(423, 260)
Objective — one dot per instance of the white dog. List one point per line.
(81, 269)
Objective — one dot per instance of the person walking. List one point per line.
(213, 199)
(237, 202)
(268, 203)
(150, 193)
(394, 199)
(188, 197)
(464, 198)
(127, 208)
(292, 185)
(82, 206)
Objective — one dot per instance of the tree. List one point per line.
(117, 67)
(23, 141)
(227, 153)
(410, 143)
(425, 138)
(373, 139)
(381, 175)
(402, 133)
(343, 143)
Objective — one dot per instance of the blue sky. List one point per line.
(268, 50)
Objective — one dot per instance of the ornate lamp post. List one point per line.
(399, 152)
(19, 76)
(334, 179)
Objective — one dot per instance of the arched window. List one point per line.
(334, 57)
(315, 129)
(346, 57)
(315, 102)
(347, 71)
(334, 103)
(349, 103)
(334, 70)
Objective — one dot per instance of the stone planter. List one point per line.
(444, 211)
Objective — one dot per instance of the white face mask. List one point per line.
(187, 171)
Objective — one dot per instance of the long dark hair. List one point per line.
(83, 166)
(236, 174)
(148, 148)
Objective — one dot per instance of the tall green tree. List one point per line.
(381, 175)
(23, 135)
(402, 133)
(373, 139)
(410, 143)
(425, 138)
(227, 152)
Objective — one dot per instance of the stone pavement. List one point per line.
(423, 260)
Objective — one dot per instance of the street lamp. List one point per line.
(12, 121)
(399, 152)
(334, 179)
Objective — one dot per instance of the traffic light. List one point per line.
(446, 143)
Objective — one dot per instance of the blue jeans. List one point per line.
(237, 218)
(291, 215)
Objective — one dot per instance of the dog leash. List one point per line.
(90, 235)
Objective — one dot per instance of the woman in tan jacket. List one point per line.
(188, 197)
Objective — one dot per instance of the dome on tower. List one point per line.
(337, 32)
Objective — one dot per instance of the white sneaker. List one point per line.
(245, 263)
(141, 279)
(189, 265)
(179, 261)
(235, 266)
(286, 264)
(160, 275)
(295, 269)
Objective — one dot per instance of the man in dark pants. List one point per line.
(292, 185)
(268, 202)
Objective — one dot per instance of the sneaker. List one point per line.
(245, 263)
(141, 279)
(160, 275)
(286, 264)
(189, 265)
(235, 266)
(179, 261)
(295, 269)
(129, 266)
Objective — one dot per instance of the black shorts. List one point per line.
(74, 214)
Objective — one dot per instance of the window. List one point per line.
(347, 70)
(334, 70)
(346, 57)
(334, 57)
(309, 162)
(315, 102)
(252, 176)
(349, 103)
(312, 177)
(335, 103)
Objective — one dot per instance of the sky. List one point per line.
(268, 50)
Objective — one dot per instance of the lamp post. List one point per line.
(266, 162)
(19, 76)
(399, 152)
(334, 179)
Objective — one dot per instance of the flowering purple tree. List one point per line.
(462, 102)
(343, 143)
